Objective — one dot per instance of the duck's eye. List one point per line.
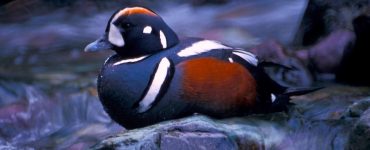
(126, 25)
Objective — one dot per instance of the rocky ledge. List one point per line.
(337, 117)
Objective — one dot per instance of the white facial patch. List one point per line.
(147, 30)
(163, 39)
(247, 56)
(131, 60)
(154, 88)
(273, 97)
(201, 47)
(115, 37)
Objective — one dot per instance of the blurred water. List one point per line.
(38, 120)
(240, 23)
(47, 84)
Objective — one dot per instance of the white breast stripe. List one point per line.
(163, 39)
(247, 56)
(106, 60)
(157, 82)
(131, 60)
(147, 30)
(201, 47)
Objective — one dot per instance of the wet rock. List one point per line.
(324, 17)
(326, 56)
(330, 103)
(351, 70)
(179, 140)
(358, 108)
(197, 132)
(342, 53)
(360, 134)
(273, 51)
(316, 121)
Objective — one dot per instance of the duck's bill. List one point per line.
(99, 45)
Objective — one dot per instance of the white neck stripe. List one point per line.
(130, 60)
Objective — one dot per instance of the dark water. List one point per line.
(48, 98)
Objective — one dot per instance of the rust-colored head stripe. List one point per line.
(135, 10)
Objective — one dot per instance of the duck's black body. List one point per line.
(140, 86)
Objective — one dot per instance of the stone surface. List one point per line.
(358, 56)
(273, 51)
(325, 57)
(359, 107)
(320, 120)
(196, 132)
(360, 134)
(323, 17)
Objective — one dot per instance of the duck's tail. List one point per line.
(280, 95)
(281, 101)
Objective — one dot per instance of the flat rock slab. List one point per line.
(332, 118)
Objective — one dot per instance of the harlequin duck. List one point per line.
(154, 76)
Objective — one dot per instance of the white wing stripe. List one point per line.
(249, 57)
(201, 47)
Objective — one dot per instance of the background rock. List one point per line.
(358, 56)
(326, 57)
(323, 17)
(273, 51)
(360, 134)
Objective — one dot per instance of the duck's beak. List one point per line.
(99, 45)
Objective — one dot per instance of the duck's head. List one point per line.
(135, 31)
